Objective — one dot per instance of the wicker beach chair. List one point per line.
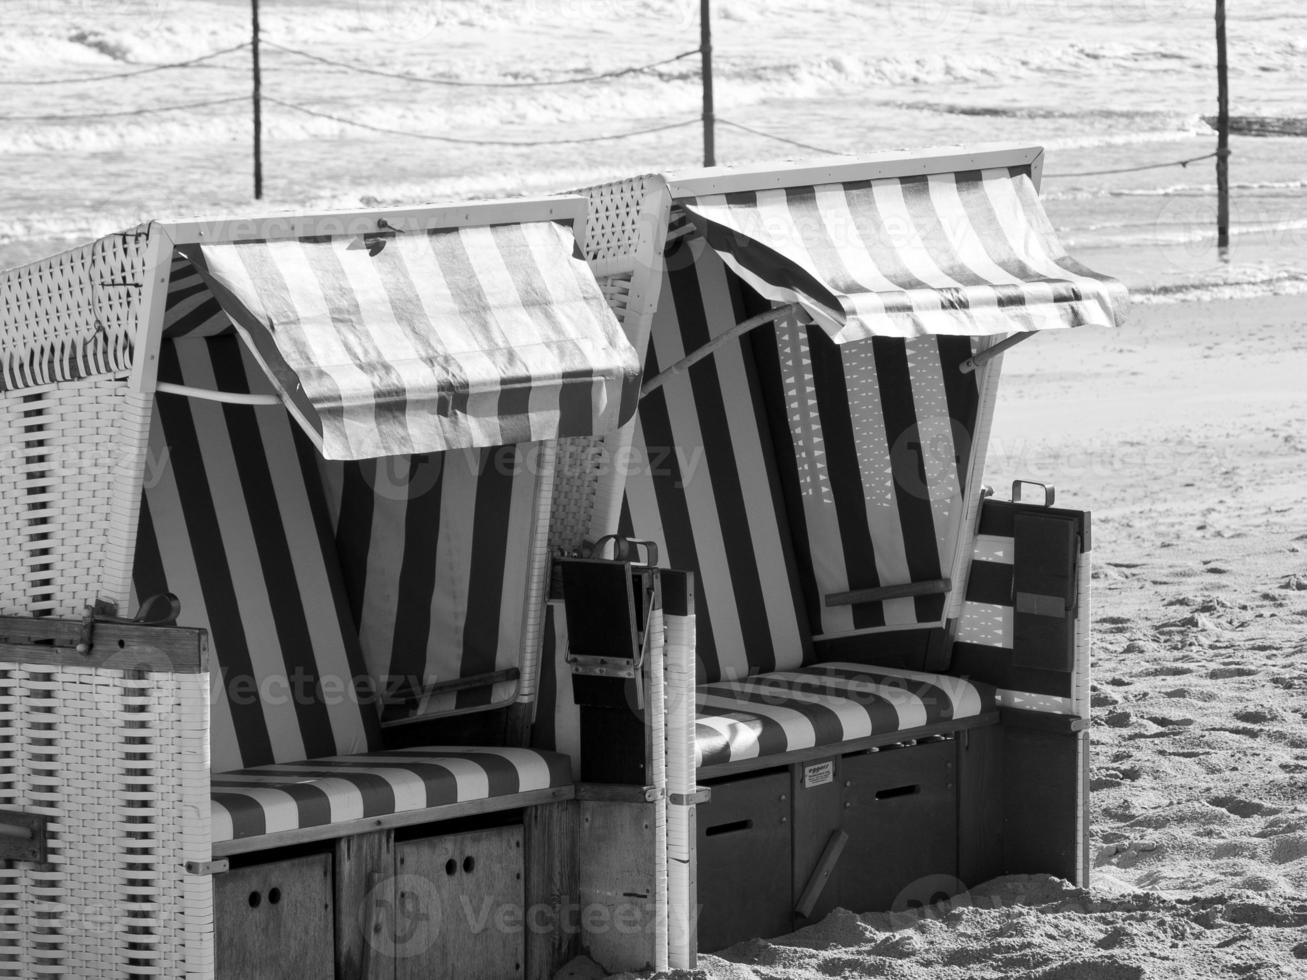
(890, 668)
(333, 438)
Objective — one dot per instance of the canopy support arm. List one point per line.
(208, 394)
(693, 358)
(973, 362)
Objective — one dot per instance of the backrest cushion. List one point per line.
(703, 482)
(873, 440)
(235, 523)
(435, 551)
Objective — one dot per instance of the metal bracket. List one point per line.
(214, 867)
(602, 666)
(701, 794)
(23, 836)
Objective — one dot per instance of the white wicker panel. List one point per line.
(581, 462)
(67, 466)
(612, 228)
(119, 761)
(72, 315)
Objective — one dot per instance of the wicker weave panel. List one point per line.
(72, 315)
(119, 761)
(616, 210)
(581, 462)
(67, 453)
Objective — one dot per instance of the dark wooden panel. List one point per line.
(901, 817)
(365, 903)
(125, 646)
(678, 592)
(459, 911)
(1044, 802)
(818, 812)
(743, 839)
(990, 581)
(993, 665)
(997, 518)
(980, 805)
(1044, 591)
(615, 843)
(553, 881)
(274, 920)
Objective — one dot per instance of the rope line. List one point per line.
(477, 142)
(1131, 170)
(127, 112)
(780, 139)
(463, 83)
(126, 74)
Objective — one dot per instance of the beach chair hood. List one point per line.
(401, 342)
(967, 253)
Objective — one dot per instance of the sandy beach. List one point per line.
(1185, 433)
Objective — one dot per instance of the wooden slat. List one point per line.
(553, 881)
(53, 642)
(937, 586)
(365, 897)
(409, 818)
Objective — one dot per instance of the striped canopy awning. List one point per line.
(423, 341)
(969, 254)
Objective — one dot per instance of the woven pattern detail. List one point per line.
(581, 462)
(617, 291)
(72, 315)
(118, 760)
(612, 228)
(61, 457)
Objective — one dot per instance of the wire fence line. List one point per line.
(608, 76)
(440, 138)
(474, 83)
(148, 69)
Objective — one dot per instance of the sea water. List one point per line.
(1102, 84)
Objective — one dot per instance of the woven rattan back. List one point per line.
(624, 233)
(72, 434)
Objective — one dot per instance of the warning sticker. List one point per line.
(818, 774)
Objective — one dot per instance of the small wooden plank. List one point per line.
(553, 881)
(53, 642)
(616, 792)
(618, 884)
(365, 904)
(821, 874)
(980, 805)
(23, 836)
(459, 912)
(409, 818)
(907, 590)
(274, 920)
(1044, 803)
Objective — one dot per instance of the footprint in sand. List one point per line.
(1223, 673)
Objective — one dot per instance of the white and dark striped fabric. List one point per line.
(969, 253)
(392, 343)
(233, 520)
(825, 704)
(704, 484)
(873, 441)
(435, 552)
(278, 798)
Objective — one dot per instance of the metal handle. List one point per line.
(1048, 488)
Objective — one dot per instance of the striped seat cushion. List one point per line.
(826, 704)
(282, 797)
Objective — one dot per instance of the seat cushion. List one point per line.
(281, 797)
(825, 704)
